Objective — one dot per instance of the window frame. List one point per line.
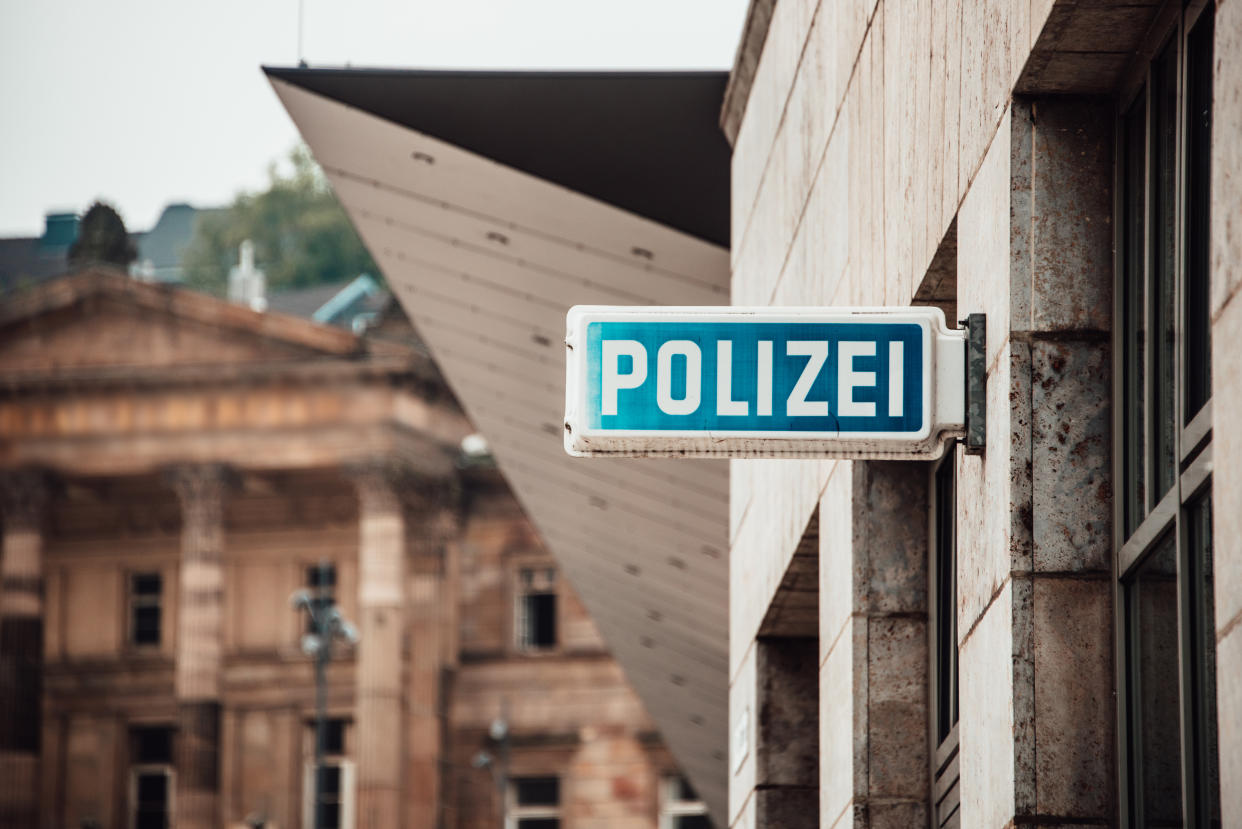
(339, 760)
(672, 806)
(134, 600)
(138, 769)
(944, 772)
(516, 812)
(518, 594)
(1192, 450)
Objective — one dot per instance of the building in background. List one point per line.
(27, 261)
(173, 469)
(1044, 634)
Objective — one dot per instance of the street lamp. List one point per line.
(327, 625)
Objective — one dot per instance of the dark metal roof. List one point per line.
(647, 142)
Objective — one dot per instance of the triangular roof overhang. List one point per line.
(494, 201)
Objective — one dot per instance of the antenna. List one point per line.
(301, 15)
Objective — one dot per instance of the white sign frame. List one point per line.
(943, 389)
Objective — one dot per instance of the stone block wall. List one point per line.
(1226, 316)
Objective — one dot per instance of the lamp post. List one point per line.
(327, 625)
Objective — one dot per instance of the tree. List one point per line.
(102, 239)
(301, 235)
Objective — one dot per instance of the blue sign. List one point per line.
(755, 376)
(761, 382)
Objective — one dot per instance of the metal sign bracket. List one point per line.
(976, 383)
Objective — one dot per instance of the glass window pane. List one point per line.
(539, 823)
(146, 627)
(682, 790)
(329, 815)
(151, 744)
(1133, 324)
(147, 584)
(543, 619)
(1154, 698)
(1163, 271)
(537, 791)
(946, 601)
(1203, 624)
(692, 822)
(329, 782)
(1198, 360)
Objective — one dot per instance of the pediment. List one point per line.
(101, 320)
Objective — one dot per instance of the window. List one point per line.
(536, 609)
(1167, 680)
(328, 794)
(680, 807)
(321, 584)
(942, 630)
(145, 608)
(533, 803)
(150, 777)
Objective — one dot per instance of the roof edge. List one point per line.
(64, 291)
(745, 65)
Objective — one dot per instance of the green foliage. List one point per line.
(102, 239)
(301, 235)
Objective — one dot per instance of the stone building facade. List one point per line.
(174, 468)
(1047, 633)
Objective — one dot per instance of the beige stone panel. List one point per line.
(987, 717)
(839, 716)
(742, 714)
(22, 564)
(1226, 157)
(765, 108)
(627, 797)
(925, 222)
(745, 819)
(740, 496)
(257, 609)
(993, 503)
(951, 191)
(820, 250)
(983, 252)
(1229, 718)
(897, 707)
(900, 31)
(90, 766)
(1227, 466)
(93, 593)
(837, 585)
(1074, 713)
(786, 492)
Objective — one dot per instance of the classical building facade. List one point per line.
(174, 469)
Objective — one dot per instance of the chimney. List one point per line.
(247, 284)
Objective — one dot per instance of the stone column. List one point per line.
(1035, 611)
(873, 666)
(23, 496)
(380, 663)
(199, 645)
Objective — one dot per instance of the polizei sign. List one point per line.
(763, 382)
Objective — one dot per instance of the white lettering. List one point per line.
(613, 380)
(664, 377)
(798, 405)
(763, 379)
(725, 404)
(848, 379)
(896, 377)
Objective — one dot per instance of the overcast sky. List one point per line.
(145, 102)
